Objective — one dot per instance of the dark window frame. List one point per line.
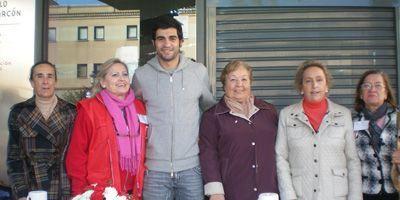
(128, 27)
(95, 33)
(79, 33)
(96, 69)
(78, 75)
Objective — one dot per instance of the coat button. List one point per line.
(316, 175)
(255, 189)
(375, 155)
(380, 181)
(315, 145)
(253, 143)
(379, 168)
(294, 124)
(253, 166)
(315, 190)
(315, 160)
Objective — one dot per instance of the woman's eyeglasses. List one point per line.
(369, 86)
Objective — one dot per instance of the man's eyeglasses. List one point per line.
(369, 86)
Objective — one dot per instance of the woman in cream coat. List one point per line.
(315, 149)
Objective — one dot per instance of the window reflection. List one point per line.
(131, 32)
(99, 33)
(83, 34)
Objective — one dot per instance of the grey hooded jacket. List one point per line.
(173, 102)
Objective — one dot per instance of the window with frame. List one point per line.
(81, 71)
(83, 33)
(99, 33)
(131, 32)
(52, 35)
(96, 68)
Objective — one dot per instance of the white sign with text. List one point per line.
(17, 38)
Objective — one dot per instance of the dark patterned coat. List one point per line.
(376, 166)
(36, 149)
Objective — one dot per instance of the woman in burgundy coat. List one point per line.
(237, 140)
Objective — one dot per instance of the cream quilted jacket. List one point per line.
(321, 165)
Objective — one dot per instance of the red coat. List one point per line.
(93, 157)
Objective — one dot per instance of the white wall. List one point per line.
(17, 32)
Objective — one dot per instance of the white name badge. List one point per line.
(361, 125)
(143, 119)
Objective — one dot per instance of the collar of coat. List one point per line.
(360, 116)
(298, 109)
(30, 104)
(334, 112)
(222, 108)
(30, 118)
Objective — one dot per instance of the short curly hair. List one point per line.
(233, 66)
(298, 81)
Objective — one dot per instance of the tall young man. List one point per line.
(175, 89)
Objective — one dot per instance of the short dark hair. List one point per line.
(359, 104)
(165, 22)
(40, 63)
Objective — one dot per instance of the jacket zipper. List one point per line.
(111, 161)
(172, 128)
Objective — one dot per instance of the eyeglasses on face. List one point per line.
(369, 86)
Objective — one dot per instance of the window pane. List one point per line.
(96, 67)
(99, 33)
(52, 34)
(82, 33)
(132, 32)
(82, 71)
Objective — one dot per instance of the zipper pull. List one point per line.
(170, 79)
(172, 171)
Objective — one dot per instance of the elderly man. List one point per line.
(39, 134)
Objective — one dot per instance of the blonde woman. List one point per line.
(107, 146)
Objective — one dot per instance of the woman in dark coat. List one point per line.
(237, 140)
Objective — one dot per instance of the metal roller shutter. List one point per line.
(274, 41)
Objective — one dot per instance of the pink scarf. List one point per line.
(127, 134)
